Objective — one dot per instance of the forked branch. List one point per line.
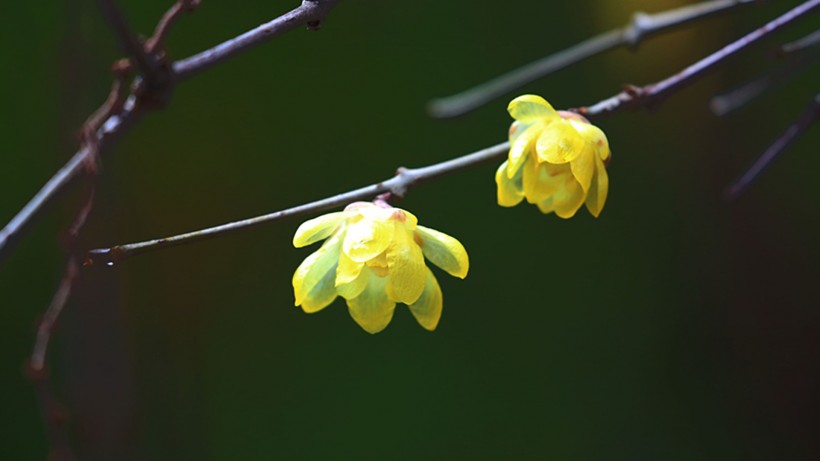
(309, 13)
(404, 179)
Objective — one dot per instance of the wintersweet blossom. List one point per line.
(556, 160)
(374, 258)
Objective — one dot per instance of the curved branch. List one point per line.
(398, 185)
(640, 26)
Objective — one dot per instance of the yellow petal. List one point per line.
(354, 287)
(405, 264)
(410, 220)
(540, 180)
(317, 229)
(348, 269)
(592, 134)
(520, 150)
(372, 309)
(509, 191)
(583, 166)
(366, 238)
(444, 251)
(314, 279)
(568, 199)
(373, 212)
(559, 142)
(529, 108)
(596, 197)
(427, 310)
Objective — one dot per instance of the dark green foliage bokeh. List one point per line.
(673, 327)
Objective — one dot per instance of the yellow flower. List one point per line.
(556, 161)
(374, 258)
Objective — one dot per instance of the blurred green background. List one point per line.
(674, 327)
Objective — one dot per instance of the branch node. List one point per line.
(103, 256)
(635, 32)
(386, 198)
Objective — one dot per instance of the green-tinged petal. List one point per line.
(529, 108)
(568, 199)
(405, 264)
(516, 128)
(314, 279)
(352, 288)
(542, 180)
(596, 197)
(509, 191)
(583, 166)
(322, 295)
(444, 251)
(372, 309)
(427, 310)
(348, 269)
(559, 143)
(316, 229)
(520, 150)
(366, 238)
(546, 206)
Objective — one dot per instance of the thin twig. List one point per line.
(309, 13)
(146, 63)
(157, 41)
(653, 94)
(793, 58)
(738, 97)
(809, 41)
(54, 414)
(46, 325)
(397, 185)
(70, 275)
(640, 26)
(797, 128)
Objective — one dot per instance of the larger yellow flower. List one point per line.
(554, 162)
(374, 258)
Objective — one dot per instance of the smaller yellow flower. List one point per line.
(556, 160)
(374, 258)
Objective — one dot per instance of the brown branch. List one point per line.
(151, 89)
(133, 47)
(117, 123)
(157, 41)
(54, 414)
(797, 128)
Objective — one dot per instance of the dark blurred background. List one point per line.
(674, 327)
